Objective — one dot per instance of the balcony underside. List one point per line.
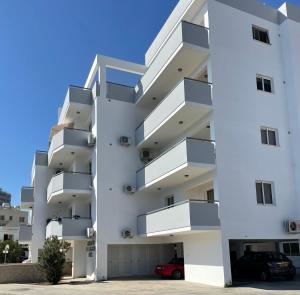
(189, 113)
(178, 176)
(188, 57)
(69, 195)
(64, 156)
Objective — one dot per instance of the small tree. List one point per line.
(52, 258)
(14, 253)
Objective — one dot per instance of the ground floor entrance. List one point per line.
(137, 260)
(248, 263)
(291, 248)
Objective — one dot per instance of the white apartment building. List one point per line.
(199, 158)
(13, 224)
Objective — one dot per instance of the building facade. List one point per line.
(12, 222)
(199, 159)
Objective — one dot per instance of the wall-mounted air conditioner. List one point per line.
(90, 232)
(129, 189)
(125, 141)
(146, 156)
(293, 226)
(127, 233)
(91, 141)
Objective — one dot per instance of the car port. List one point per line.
(238, 248)
(127, 260)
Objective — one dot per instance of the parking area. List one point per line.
(149, 286)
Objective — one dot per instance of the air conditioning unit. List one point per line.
(127, 233)
(91, 141)
(90, 232)
(125, 141)
(130, 189)
(146, 156)
(294, 226)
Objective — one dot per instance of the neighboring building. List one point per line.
(199, 158)
(11, 220)
(4, 197)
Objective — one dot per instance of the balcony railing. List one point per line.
(68, 228)
(190, 99)
(190, 156)
(189, 43)
(77, 99)
(187, 216)
(69, 183)
(27, 197)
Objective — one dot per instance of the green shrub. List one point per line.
(52, 258)
(14, 254)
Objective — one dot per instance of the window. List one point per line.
(291, 248)
(2, 217)
(210, 196)
(264, 193)
(260, 34)
(10, 218)
(269, 136)
(169, 201)
(21, 219)
(7, 237)
(264, 83)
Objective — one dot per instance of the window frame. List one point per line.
(267, 129)
(167, 198)
(263, 193)
(261, 29)
(290, 249)
(263, 77)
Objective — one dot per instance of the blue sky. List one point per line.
(47, 45)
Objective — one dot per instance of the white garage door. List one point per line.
(132, 260)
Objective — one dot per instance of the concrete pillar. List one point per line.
(203, 259)
(79, 259)
(101, 252)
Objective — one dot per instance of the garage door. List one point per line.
(132, 260)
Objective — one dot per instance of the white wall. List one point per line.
(79, 259)
(239, 111)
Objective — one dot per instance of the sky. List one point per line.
(46, 46)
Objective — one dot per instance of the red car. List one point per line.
(174, 269)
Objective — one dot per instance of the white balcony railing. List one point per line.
(188, 159)
(191, 215)
(190, 100)
(69, 183)
(68, 228)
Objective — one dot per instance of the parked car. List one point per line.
(174, 269)
(264, 265)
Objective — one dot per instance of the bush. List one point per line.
(14, 254)
(52, 258)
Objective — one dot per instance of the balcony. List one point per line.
(27, 197)
(68, 228)
(66, 145)
(188, 102)
(25, 234)
(77, 105)
(66, 186)
(186, 217)
(187, 160)
(185, 49)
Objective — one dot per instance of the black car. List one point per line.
(264, 265)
